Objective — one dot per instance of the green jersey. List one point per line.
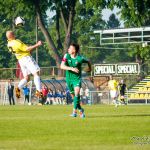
(75, 63)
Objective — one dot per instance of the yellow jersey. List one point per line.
(113, 85)
(18, 48)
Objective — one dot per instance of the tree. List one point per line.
(64, 10)
(135, 13)
(113, 22)
(86, 21)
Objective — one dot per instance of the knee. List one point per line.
(36, 74)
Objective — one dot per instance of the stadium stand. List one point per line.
(140, 93)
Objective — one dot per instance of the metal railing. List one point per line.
(7, 73)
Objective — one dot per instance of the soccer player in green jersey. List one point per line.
(72, 63)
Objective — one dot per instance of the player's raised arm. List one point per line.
(30, 48)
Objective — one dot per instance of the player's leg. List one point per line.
(37, 82)
(114, 97)
(71, 89)
(9, 99)
(77, 87)
(32, 67)
(122, 98)
(21, 84)
(74, 113)
(23, 62)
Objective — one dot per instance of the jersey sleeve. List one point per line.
(65, 58)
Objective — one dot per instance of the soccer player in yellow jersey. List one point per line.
(113, 87)
(27, 63)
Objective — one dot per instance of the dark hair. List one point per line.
(76, 46)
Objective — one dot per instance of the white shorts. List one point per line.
(113, 94)
(28, 65)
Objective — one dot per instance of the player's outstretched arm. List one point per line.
(30, 48)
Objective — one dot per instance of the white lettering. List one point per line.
(127, 69)
(104, 70)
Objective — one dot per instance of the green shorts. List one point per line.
(72, 84)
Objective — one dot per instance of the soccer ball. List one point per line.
(19, 21)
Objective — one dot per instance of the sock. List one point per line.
(37, 83)
(22, 83)
(77, 102)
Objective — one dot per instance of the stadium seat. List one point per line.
(141, 96)
(145, 89)
(132, 96)
(140, 88)
(146, 96)
(137, 96)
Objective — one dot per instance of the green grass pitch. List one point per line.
(51, 128)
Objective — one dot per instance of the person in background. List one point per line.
(87, 95)
(44, 92)
(10, 91)
(122, 89)
(68, 96)
(49, 97)
(113, 87)
(81, 96)
(26, 92)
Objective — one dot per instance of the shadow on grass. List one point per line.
(115, 116)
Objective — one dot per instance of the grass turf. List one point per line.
(51, 128)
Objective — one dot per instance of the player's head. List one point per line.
(10, 35)
(74, 48)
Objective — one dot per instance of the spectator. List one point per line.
(87, 95)
(64, 97)
(68, 96)
(81, 96)
(26, 92)
(58, 97)
(49, 97)
(44, 92)
(10, 92)
(122, 89)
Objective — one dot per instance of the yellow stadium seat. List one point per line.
(146, 95)
(141, 96)
(148, 83)
(132, 96)
(136, 96)
(140, 88)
